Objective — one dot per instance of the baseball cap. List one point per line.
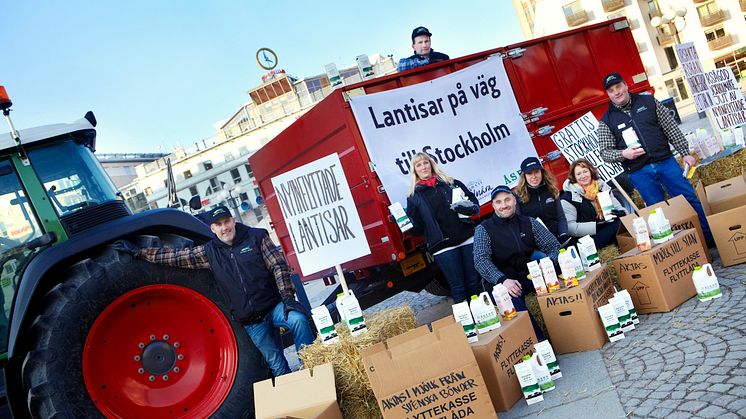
(420, 30)
(529, 164)
(217, 213)
(612, 79)
(498, 189)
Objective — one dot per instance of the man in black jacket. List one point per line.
(252, 275)
(423, 52)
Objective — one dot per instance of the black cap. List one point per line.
(529, 164)
(498, 189)
(217, 213)
(420, 30)
(612, 79)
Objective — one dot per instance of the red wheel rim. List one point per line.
(160, 351)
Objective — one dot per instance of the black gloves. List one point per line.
(126, 247)
(618, 212)
(465, 207)
(293, 305)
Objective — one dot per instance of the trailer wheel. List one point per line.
(438, 286)
(125, 338)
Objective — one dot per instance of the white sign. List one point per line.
(694, 74)
(580, 139)
(320, 215)
(468, 121)
(729, 108)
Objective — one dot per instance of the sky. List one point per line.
(161, 73)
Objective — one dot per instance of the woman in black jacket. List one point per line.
(539, 197)
(445, 223)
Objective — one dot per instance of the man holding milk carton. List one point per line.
(503, 245)
(636, 131)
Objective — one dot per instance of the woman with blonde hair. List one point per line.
(538, 197)
(582, 208)
(445, 223)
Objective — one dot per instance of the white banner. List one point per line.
(468, 121)
(580, 139)
(729, 108)
(320, 215)
(694, 74)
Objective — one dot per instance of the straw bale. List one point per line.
(356, 398)
(607, 256)
(721, 169)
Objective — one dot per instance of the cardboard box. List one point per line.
(570, 314)
(307, 394)
(427, 374)
(724, 204)
(496, 352)
(660, 279)
(678, 211)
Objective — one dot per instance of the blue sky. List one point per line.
(158, 73)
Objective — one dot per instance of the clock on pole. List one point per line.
(266, 58)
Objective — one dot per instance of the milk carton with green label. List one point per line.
(611, 322)
(588, 253)
(462, 314)
(402, 220)
(706, 283)
(484, 313)
(606, 204)
(660, 228)
(349, 308)
(624, 294)
(458, 195)
(622, 313)
(325, 325)
(543, 377)
(544, 349)
(528, 382)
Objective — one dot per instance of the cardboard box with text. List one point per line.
(570, 314)
(725, 206)
(307, 394)
(427, 374)
(660, 279)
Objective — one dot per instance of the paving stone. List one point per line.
(720, 388)
(739, 379)
(695, 395)
(677, 395)
(711, 412)
(679, 415)
(692, 406)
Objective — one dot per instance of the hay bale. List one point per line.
(607, 256)
(356, 398)
(721, 169)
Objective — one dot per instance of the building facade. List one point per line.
(121, 166)
(716, 27)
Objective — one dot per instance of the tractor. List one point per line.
(87, 331)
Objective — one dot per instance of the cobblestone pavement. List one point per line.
(690, 362)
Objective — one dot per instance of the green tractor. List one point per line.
(86, 331)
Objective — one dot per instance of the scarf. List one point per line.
(591, 192)
(428, 182)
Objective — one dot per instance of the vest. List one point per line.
(586, 208)
(541, 204)
(512, 242)
(643, 119)
(243, 279)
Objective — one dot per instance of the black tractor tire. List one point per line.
(52, 371)
(438, 286)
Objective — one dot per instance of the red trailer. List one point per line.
(556, 79)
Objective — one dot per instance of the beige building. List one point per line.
(716, 27)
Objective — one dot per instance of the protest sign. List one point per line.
(729, 108)
(694, 74)
(580, 139)
(320, 215)
(467, 121)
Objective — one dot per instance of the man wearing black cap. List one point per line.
(637, 131)
(252, 275)
(423, 53)
(503, 245)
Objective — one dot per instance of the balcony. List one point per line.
(612, 5)
(665, 39)
(712, 18)
(577, 18)
(720, 43)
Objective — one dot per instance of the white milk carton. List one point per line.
(611, 322)
(660, 228)
(462, 314)
(458, 195)
(640, 231)
(541, 372)
(352, 313)
(624, 294)
(528, 382)
(622, 313)
(402, 220)
(325, 325)
(630, 138)
(484, 313)
(504, 302)
(549, 274)
(706, 283)
(607, 205)
(579, 268)
(537, 278)
(544, 348)
(588, 253)
(567, 267)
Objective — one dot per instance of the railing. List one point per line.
(611, 5)
(712, 18)
(719, 43)
(577, 18)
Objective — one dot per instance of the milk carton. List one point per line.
(660, 228)
(549, 274)
(738, 133)
(588, 253)
(567, 267)
(579, 268)
(622, 313)
(402, 220)
(504, 302)
(706, 283)
(541, 372)
(484, 313)
(537, 278)
(462, 314)
(729, 138)
(528, 382)
(611, 322)
(640, 231)
(339, 308)
(458, 195)
(349, 308)
(624, 294)
(630, 138)
(544, 349)
(324, 324)
(606, 204)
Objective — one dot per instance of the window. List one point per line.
(235, 175)
(243, 196)
(207, 165)
(257, 193)
(214, 184)
(148, 191)
(715, 34)
(193, 191)
(708, 9)
(572, 9)
(676, 89)
(671, 56)
(249, 172)
(682, 88)
(655, 10)
(187, 174)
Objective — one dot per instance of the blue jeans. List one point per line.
(653, 177)
(606, 233)
(457, 266)
(263, 336)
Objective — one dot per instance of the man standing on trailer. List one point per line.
(423, 53)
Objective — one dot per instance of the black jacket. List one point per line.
(242, 275)
(541, 204)
(512, 241)
(429, 209)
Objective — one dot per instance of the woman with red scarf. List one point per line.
(445, 224)
(581, 206)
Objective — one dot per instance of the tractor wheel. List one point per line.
(120, 337)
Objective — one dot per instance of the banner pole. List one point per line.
(624, 194)
(341, 276)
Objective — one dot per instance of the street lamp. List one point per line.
(230, 194)
(671, 18)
